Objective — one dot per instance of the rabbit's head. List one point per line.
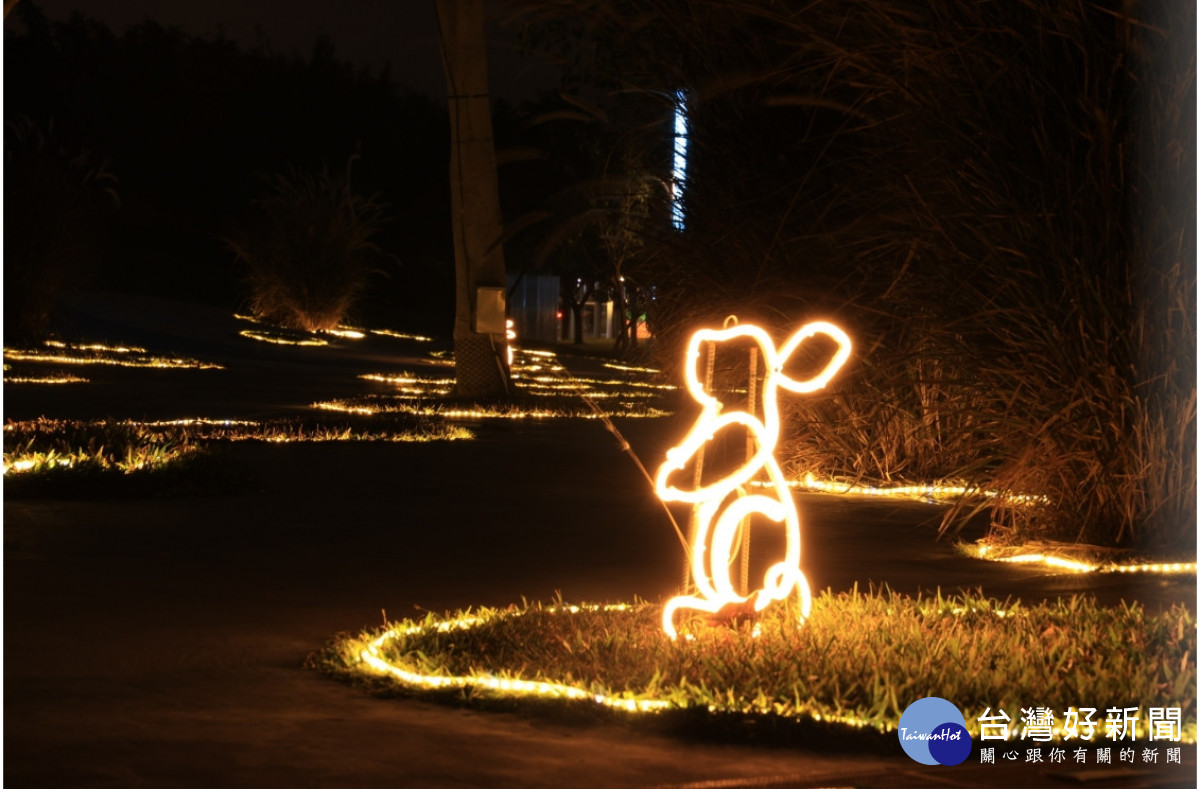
(714, 420)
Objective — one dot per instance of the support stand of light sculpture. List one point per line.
(717, 518)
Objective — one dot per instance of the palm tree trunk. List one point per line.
(479, 340)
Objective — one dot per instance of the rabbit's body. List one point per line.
(723, 505)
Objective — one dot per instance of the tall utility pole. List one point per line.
(481, 368)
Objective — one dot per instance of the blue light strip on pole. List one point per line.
(679, 168)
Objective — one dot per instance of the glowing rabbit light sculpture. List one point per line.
(717, 522)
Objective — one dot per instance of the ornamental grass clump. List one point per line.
(107, 442)
(1039, 337)
(41, 446)
(59, 457)
(310, 254)
(858, 660)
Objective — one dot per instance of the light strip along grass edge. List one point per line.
(368, 659)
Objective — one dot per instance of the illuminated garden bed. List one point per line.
(855, 664)
(48, 378)
(1068, 558)
(64, 353)
(447, 408)
(543, 389)
(110, 457)
(1049, 555)
(275, 334)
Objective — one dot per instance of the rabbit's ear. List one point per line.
(819, 380)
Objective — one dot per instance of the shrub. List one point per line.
(310, 254)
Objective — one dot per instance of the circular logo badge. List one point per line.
(933, 731)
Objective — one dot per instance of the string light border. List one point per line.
(372, 660)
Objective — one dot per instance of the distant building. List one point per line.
(538, 314)
(533, 306)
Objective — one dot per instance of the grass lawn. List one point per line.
(857, 662)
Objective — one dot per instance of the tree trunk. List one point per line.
(480, 364)
(577, 315)
(634, 297)
(619, 307)
(575, 298)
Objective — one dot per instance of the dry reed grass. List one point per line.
(311, 254)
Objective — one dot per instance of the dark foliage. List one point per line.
(187, 121)
(57, 207)
(996, 199)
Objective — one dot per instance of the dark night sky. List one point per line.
(364, 32)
